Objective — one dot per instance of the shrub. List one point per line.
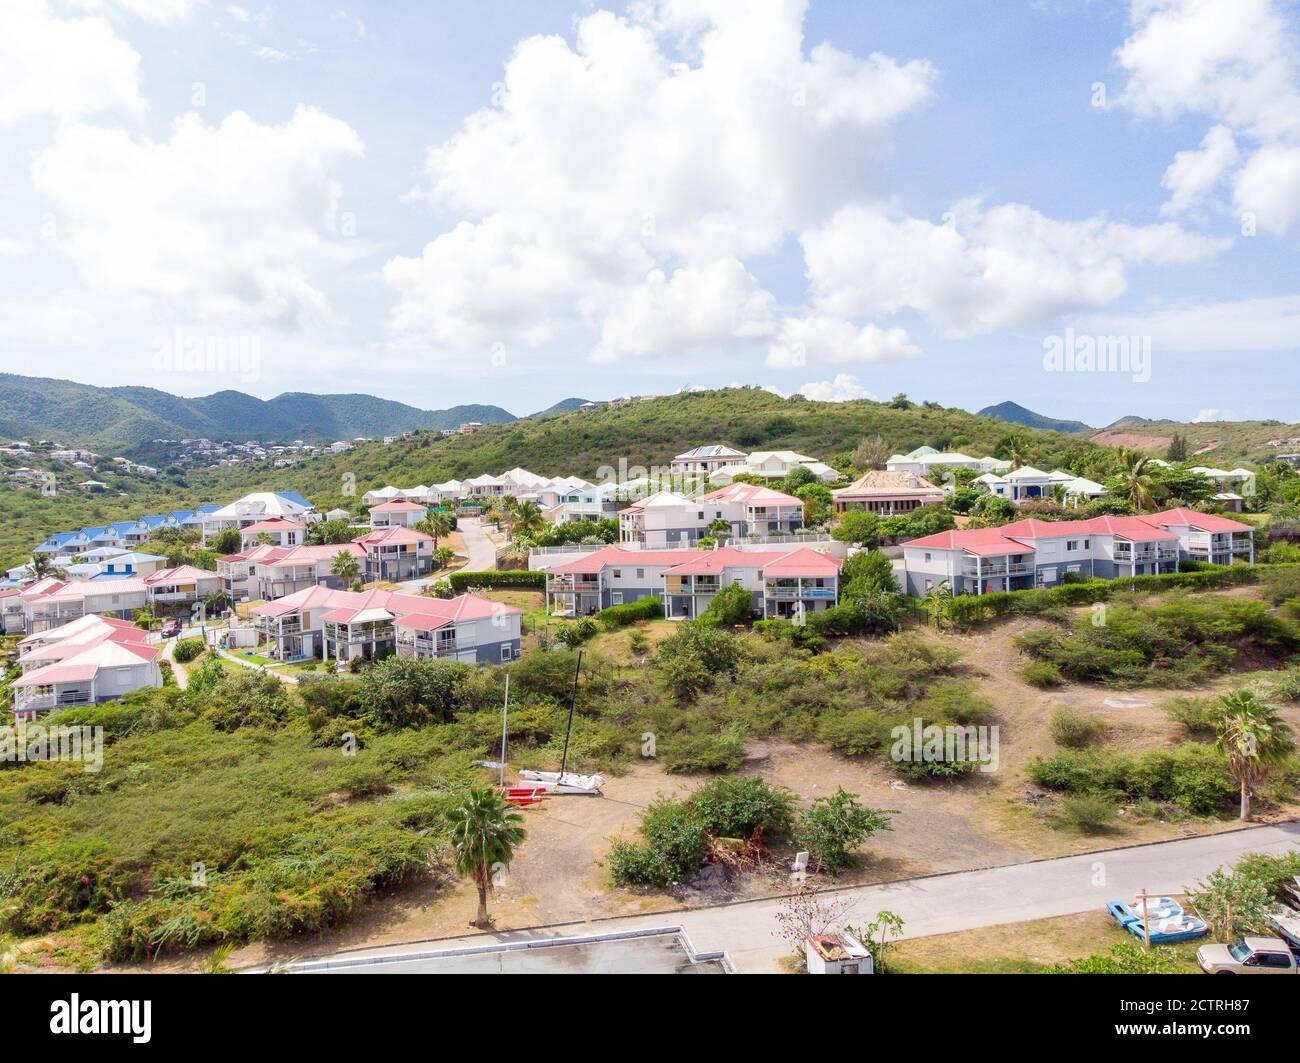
(1196, 715)
(854, 733)
(831, 828)
(729, 607)
(616, 616)
(464, 581)
(1125, 958)
(1086, 813)
(673, 846)
(1286, 686)
(692, 659)
(1042, 674)
(738, 806)
(187, 650)
(1074, 730)
(694, 754)
(576, 633)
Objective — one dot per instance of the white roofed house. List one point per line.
(773, 465)
(93, 659)
(255, 507)
(484, 488)
(923, 459)
(705, 460)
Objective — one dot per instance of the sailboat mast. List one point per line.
(573, 697)
(505, 710)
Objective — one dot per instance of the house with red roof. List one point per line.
(396, 553)
(782, 582)
(91, 659)
(1038, 553)
(273, 531)
(397, 513)
(346, 625)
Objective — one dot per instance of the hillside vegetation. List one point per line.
(1223, 444)
(647, 434)
(127, 417)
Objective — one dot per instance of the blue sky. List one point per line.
(518, 202)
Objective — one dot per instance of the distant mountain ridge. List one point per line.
(1014, 413)
(129, 417)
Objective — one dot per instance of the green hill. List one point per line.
(643, 434)
(125, 418)
(1223, 444)
(1014, 413)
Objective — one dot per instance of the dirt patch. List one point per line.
(1131, 441)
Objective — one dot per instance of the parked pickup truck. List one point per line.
(1249, 955)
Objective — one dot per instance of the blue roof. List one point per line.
(111, 575)
(293, 496)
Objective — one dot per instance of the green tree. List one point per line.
(1178, 450)
(730, 606)
(227, 541)
(330, 532)
(1231, 903)
(1254, 738)
(938, 601)
(486, 832)
(858, 526)
(40, 565)
(871, 453)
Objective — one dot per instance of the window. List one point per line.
(640, 573)
(699, 515)
(616, 598)
(1071, 545)
(507, 651)
(618, 573)
(927, 557)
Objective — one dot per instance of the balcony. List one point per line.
(991, 571)
(781, 593)
(32, 699)
(570, 586)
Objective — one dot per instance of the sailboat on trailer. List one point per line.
(562, 781)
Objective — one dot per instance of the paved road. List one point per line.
(948, 903)
(481, 553)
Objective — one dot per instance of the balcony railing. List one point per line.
(1018, 568)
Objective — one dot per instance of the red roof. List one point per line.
(273, 524)
(802, 562)
(708, 562)
(1179, 518)
(1013, 538)
(621, 555)
(392, 536)
(398, 504)
(345, 604)
(751, 495)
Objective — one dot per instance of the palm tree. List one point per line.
(1253, 737)
(436, 525)
(345, 567)
(1135, 484)
(1015, 448)
(40, 565)
(485, 832)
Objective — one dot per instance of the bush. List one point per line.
(1086, 813)
(1194, 777)
(692, 659)
(464, 581)
(694, 754)
(1074, 730)
(673, 847)
(1042, 674)
(729, 607)
(854, 733)
(1125, 958)
(1196, 715)
(616, 616)
(575, 634)
(734, 806)
(187, 650)
(831, 828)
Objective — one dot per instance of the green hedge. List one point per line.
(967, 610)
(463, 581)
(647, 608)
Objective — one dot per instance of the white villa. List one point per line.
(923, 459)
(702, 461)
(255, 507)
(1037, 553)
(667, 519)
(91, 659)
(783, 582)
(773, 465)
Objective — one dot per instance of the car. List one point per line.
(1248, 955)
(171, 629)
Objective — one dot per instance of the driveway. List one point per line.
(481, 554)
(944, 904)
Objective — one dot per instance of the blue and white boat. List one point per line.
(1165, 919)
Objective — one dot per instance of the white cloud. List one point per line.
(844, 388)
(1193, 174)
(816, 340)
(273, 55)
(65, 68)
(592, 159)
(987, 269)
(1263, 324)
(1213, 414)
(223, 221)
(1237, 63)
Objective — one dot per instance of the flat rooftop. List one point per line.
(659, 951)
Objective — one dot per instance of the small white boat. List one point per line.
(569, 782)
